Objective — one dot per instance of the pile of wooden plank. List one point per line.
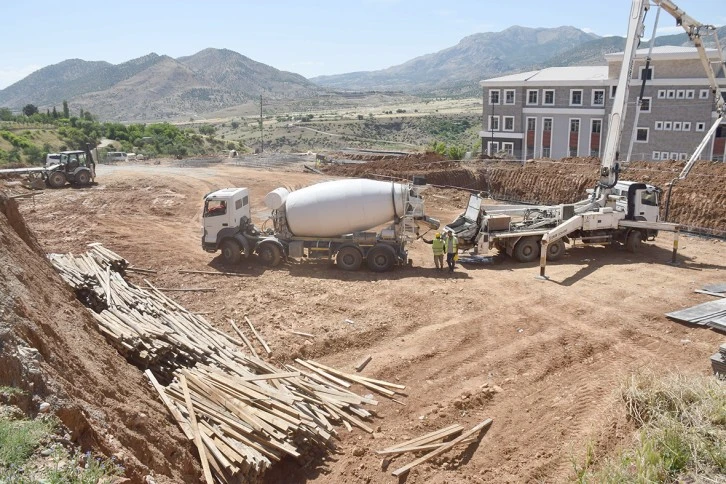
(435, 443)
(253, 413)
(718, 362)
(149, 329)
(242, 412)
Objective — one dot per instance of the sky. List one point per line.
(310, 38)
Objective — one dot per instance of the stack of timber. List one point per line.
(718, 362)
(434, 443)
(149, 329)
(242, 412)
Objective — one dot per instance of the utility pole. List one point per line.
(262, 134)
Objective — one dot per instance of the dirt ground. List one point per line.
(553, 352)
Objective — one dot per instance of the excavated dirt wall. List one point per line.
(698, 202)
(50, 348)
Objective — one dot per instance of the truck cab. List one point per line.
(224, 211)
(639, 201)
(227, 226)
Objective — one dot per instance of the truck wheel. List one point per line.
(83, 178)
(231, 251)
(349, 259)
(527, 249)
(381, 258)
(635, 241)
(56, 179)
(556, 250)
(270, 254)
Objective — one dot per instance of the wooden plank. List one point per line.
(195, 430)
(187, 289)
(323, 373)
(244, 338)
(259, 338)
(430, 437)
(215, 273)
(418, 448)
(363, 363)
(440, 450)
(300, 333)
(186, 428)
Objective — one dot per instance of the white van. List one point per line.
(52, 159)
(114, 156)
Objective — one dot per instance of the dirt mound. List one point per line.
(50, 348)
(698, 202)
(391, 165)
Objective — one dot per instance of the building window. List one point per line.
(508, 147)
(700, 126)
(646, 74)
(531, 124)
(690, 94)
(493, 123)
(547, 124)
(683, 156)
(546, 152)
(596, 126)
(574, 126)
(642, 135)
(656, 155)
(686, 126)
(532, 96)
(574, 138)
(549, 96)
(595, 130)
(509, 96)
(576, 97)
(645, 105)
(663, 155)
(598, 97)
(508, 123)
(676, 126)
(662, 94)
(674, 155)
(680, 94)
(493, 147)
(613, 90)
(703, 94)
(667, 126)
(494, 96)
(659, 125)
(671, 94)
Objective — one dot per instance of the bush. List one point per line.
(682, 435)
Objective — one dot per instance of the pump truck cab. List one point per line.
(334, 220)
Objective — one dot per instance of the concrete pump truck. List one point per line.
(616, 211)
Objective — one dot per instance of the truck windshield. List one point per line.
(649, 198)
(213, 208)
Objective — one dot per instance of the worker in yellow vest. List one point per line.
(451, 244)
(437, 244)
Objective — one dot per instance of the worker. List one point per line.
(452, 249)
(437, 244)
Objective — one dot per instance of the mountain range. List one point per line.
(157, 87)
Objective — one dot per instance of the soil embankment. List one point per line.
(698, 202)
(50, 348)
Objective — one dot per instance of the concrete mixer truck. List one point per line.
(349, 221)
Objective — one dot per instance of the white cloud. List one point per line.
(10, 75)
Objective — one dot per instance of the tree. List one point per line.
(54, 113)
(66, 111)
(234, 124)
(30, 109)
(207, 129)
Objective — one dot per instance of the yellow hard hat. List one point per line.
(438, 235)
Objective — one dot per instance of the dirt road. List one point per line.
(543, 359)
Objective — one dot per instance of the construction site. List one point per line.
(542, 359)
(368, 316)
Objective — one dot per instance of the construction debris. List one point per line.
(363, 363)
(242, 412)
(428, 442)
(718, 362)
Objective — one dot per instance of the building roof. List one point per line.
(664, 52)
(580, 74)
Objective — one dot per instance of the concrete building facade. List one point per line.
(559, 112)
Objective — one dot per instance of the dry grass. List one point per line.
(682, 432)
